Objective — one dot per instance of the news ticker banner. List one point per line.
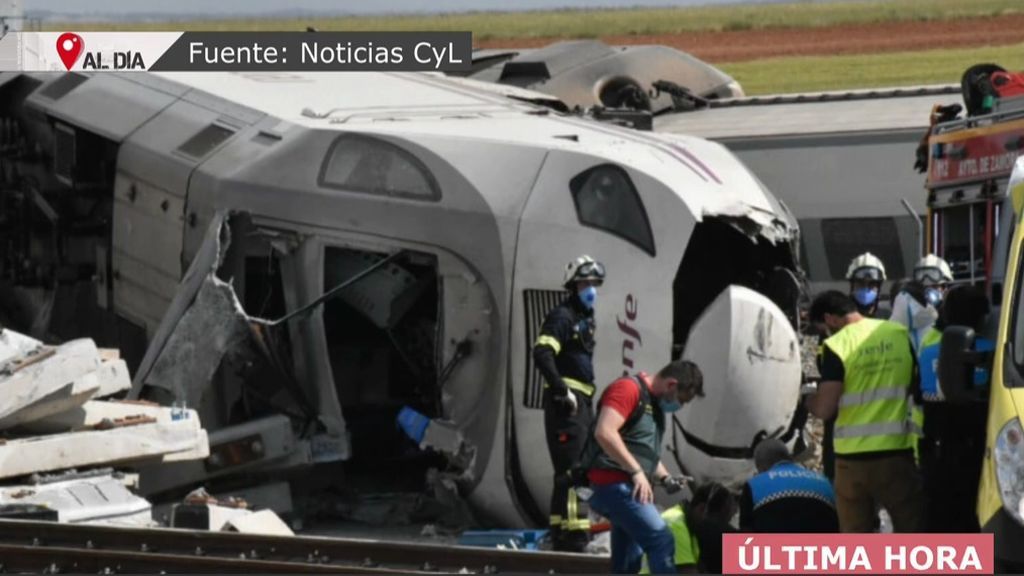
(236, 51)
(857, 554)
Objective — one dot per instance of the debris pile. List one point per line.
(58, 416)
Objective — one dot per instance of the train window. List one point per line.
(202, 142)
(962, 232)
(846, 238)
(359, 163)
(605, 198)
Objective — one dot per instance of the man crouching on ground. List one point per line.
(623, 457)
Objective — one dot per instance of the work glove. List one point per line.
(565, 401)
(673, 484)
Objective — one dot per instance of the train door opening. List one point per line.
(382, 336)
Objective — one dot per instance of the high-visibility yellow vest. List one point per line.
(878, 363)
(687, 550)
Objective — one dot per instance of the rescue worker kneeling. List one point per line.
(697, 527)
(867, 373)
(622, 456)
(784, 497)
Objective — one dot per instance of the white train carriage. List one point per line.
(478, 195)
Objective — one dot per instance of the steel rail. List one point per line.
(294, 550)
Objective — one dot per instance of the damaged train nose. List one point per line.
(736, 304)
(748, 352)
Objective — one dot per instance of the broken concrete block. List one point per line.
(262, 522)
(56, 401)
(13, 344)
(108, 354)
(29, 378)
(103, 498)
(113, 377)
(94, 412)
(95, 447)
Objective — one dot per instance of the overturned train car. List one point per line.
(299, 256)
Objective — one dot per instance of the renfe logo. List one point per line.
(69, 48)
(630, 335)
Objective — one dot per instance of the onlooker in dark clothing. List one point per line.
(713, 508)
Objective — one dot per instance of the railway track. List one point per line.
(28, 546)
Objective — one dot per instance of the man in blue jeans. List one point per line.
(623, 456)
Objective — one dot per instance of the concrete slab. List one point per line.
(31, 377)
(97, 447)
(94, 499)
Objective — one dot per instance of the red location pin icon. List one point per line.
(69, 48)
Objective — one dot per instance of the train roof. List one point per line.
(793, 115)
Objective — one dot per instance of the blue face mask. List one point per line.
(933, 296)
(670, 405)
(865, 296)
(588, 296)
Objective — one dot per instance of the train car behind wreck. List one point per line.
(298, 257)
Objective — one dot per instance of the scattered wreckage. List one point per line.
(295, 258)
(57, 416)
(589, 73)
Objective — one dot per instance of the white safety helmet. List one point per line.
(583, 268)
(867, 266)
(932, 270)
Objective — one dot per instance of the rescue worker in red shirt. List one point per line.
(623, 455)
(564, 355)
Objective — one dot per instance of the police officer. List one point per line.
(564, 355)
(866, 274)
(785, 497)
(867, 373)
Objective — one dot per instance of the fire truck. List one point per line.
(969, 161)
(975, 199)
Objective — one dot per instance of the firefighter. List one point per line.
(564, 355)
(866, 274)
(936, 276)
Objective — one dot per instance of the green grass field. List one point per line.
(594, 23)
(821, 73)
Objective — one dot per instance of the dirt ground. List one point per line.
(740, 45)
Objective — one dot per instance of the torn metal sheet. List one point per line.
(754, 223)
(205, 261)
(27, 379)
(90, 500)
(92, 448)
(212, 326)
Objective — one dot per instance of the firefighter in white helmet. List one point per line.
(563, 354)
(935, 275)
(866, 274)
